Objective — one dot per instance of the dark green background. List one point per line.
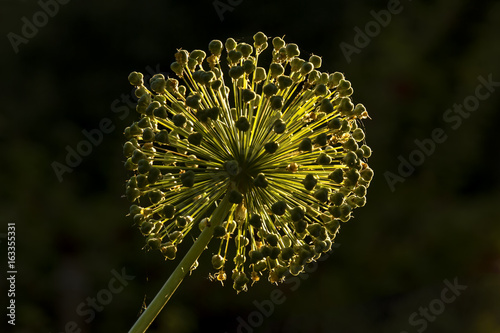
(440, 223)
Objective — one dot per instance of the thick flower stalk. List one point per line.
(281, 142)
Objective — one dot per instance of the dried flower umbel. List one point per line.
(278, 145)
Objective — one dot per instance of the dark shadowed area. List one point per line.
(423, 255)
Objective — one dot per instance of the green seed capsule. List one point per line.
(255, 221)
(321, 139)
(297, 213)
(260, 39)
(261, 181)
(358, 134)
(315, 60)
(219, 231)
(234, 56)
(352, 175)
(143, 166)
(247, 95)
(309, 182)
(142, 181)
(148, 135)
(314, 229)
(270, 89)
(235, 197)
(276, 103)
(337, 176)
(323, 159)
(160, 112)
(245, 49)
(128, 149)
(230, 44)
(351, 159)
(260, 74)
(179, 120)
(155, 196)
(136, 79)
(320, 90)
(292, 50)
(154, 175)
(187, 178)
(322, 194)
(305, 145)
(236, 72)
(350, 145)
(276, 70)
(333, 226)
(300, 226)
(169, 251)
(345, 106)
(367, 174)
(195, 138)
(337, 198)
(327, 107)
(279, 207)
(279, 125)
(306, 68)
(162, 136)
(334, 79)
(168, 211)
(147, 227)
(217, 261)
(335, 124)
(278, 43)
(271, 147)
(287, 253)
(215, 47)
(177, 68)
(296, 64)
(284, 82)
(367, 152)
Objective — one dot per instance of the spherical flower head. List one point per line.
(282, 142)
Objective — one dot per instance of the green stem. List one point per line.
(175, 279)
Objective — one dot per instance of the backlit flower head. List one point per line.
(281, 142)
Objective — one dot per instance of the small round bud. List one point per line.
(275, 70)
(300, 226)
(162, 136)
(321, 139)
(136, 79)
(235, 197)
(358, 134)
(337, 176)
(169, 251)
(315, 60)
(154, 175)
(270, 89)
(155, 196)
(284, 82)
(242, 124)
(271, 147)
(367, 174)
(168, 211)
(160, 112)
(334, 79)
(276, 103)
(292, 50)
(255, 221)
(215, 47)
(255, 256)
(323, 159)
(236, 72)
(142, 181)
(176, 68)
(245, 49)
(234, 56)
(337, 198)
(278, 43)
(297, 213)
(128, 149)
(230, 44)
(248, 66)
(326, 106)
(259, 39)
(367, 152)
(335, 124)
(279, 207)
(322, 194)
(217, 261)
(305, 145)
(143, 166)
(219, 231)
(279, 126)
(306, 68)
(179, 120)
(213, 113)
(260, 74)
(309, 182)
(195, 138)
(247, 95)
(148, 135)
(320, 90)
(345, 106)
(351, 159)
(350, 144)
(187, 178)
(261, 181)
(352, 175)
(296, 64)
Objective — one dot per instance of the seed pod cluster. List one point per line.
(283, 141)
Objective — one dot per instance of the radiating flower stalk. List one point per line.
(269, 161)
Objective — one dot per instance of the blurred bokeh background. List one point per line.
(440, 223)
